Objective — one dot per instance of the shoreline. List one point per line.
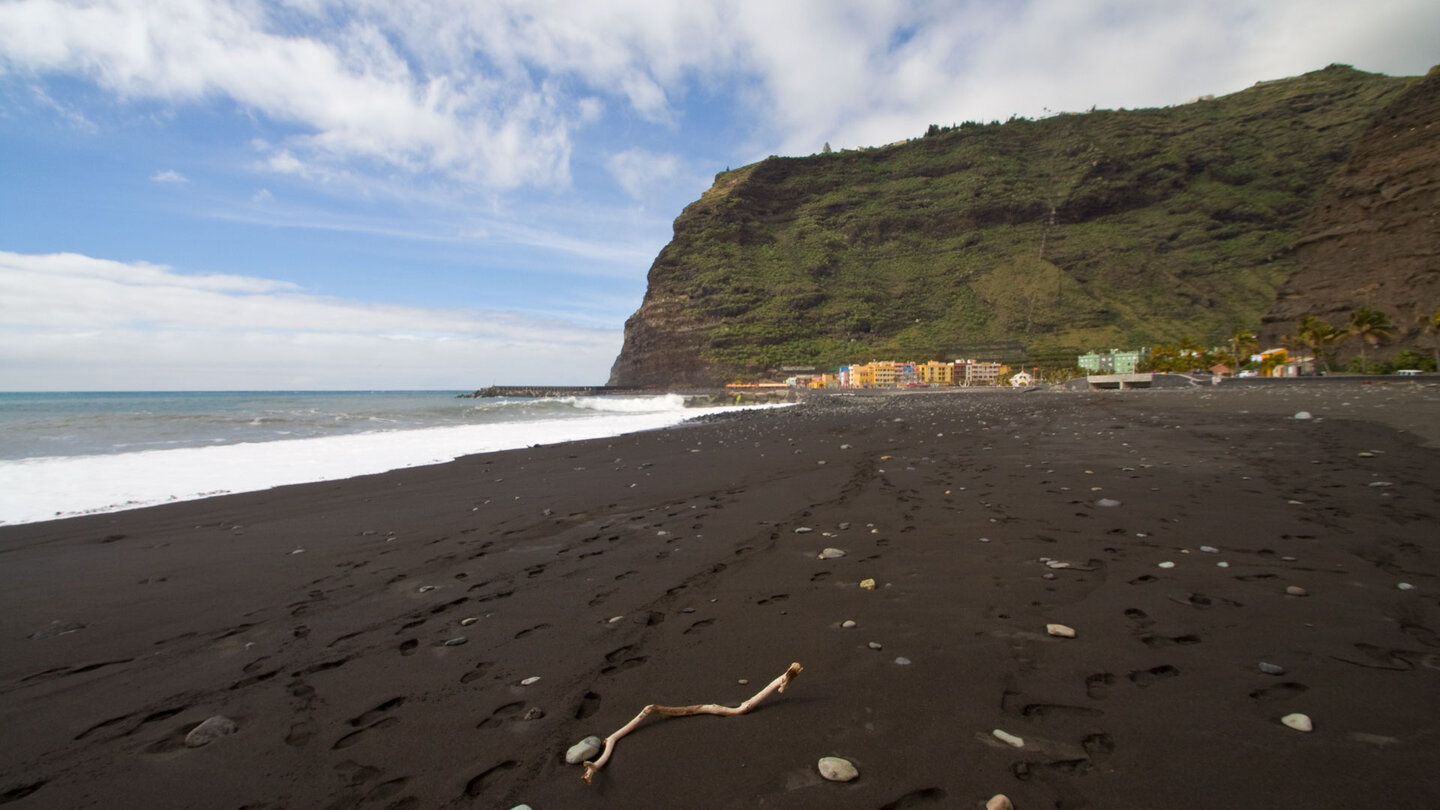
(317, 616)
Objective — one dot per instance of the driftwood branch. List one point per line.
(777, 685)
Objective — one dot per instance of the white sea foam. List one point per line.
(38, 489)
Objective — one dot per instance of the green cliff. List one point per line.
(1107, 228)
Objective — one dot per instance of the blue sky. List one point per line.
(253, 194)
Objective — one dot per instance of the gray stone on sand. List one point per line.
(209, 731)
(1008, 738)
(875, 645)
(1060, 630)
(1296, 590)
(1107, 502)
(832, 554)
(804, 530)
(455, 642)
(902, 661)
(836, 769)
(1302, 415)
(1271, 669)
(848, 623)
(999, 802)
(584, 750)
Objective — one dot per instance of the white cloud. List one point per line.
(639, 171)
(169, 176)
(72, 322)
(490, 95)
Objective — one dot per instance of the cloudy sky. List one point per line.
(284, 194)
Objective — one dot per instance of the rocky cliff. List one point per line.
(1108, 228)
(1373, 239)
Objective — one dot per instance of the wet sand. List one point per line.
(668, 566)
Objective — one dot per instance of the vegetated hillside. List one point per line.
(1096, 230)
(1373, 239)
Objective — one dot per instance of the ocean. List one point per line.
(68, 454)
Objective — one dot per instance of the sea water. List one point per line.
(67, 454)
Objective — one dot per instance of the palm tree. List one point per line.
(1318, 337)
(1242, 344)
(1430, 324)
(1371, 326)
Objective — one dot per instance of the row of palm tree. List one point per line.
(1370, 326)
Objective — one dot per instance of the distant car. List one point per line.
(1247, 373)
(1408, 372)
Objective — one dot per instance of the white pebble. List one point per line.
(999, 802)
(1296, 590)
(1298, 721)
(875, 645)
(836, 769)
(1107, 502)
(848, 623)
(1210, 549)
(902, 661)
(212, 729)
(1063, 631)
(584, 750)
(1302, 415)
(832, 554)
(804, 530)
(1008, 738)
(1405, 586)
(530, 680)
(1166, 564)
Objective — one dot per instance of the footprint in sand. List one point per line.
(700, 625)
(356, 736)
(1152, 640)
(589, 704)
(407, 647)
(1097, 686)
(1145, 677)
(1139, 618)
(365, 718)
(1280, 691)
(478, 672)
(529, 630)
(916, 798)
(498, 717)
(478, 783)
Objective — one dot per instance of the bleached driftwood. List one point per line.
(777, 685)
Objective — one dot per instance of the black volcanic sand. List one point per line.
(316, 616)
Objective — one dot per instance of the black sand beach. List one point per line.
(332, 622)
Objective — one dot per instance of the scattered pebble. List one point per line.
(1222, 564)
(836, 769)
(1365, 455)
(1405, 586)
(1303, 415)
(584, 750)
(848, 623)
(522, 807)
(1210, 549)
(469, 620)
(744, 681)
(1060, 630)
(530, 680)
(1107, 502)
(803, 530)
(1381, 484)
(832, 554)
(298, 551)
(1057, 564)
(1271, 669)
(1166, 564)
(455, 642)
(1298, 721)
(867, 584)
(614, 619)
(1296, 590)
(425, 588)
(1008, 738)
(534, 713)
(984, 539)
(875, 645)
(209, 731)
(999, 802)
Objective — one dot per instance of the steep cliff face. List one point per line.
(1373, 239)
(1105, 229)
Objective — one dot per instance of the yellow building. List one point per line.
(935, 373)
(887, 373)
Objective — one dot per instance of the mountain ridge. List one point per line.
(1078, 231)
